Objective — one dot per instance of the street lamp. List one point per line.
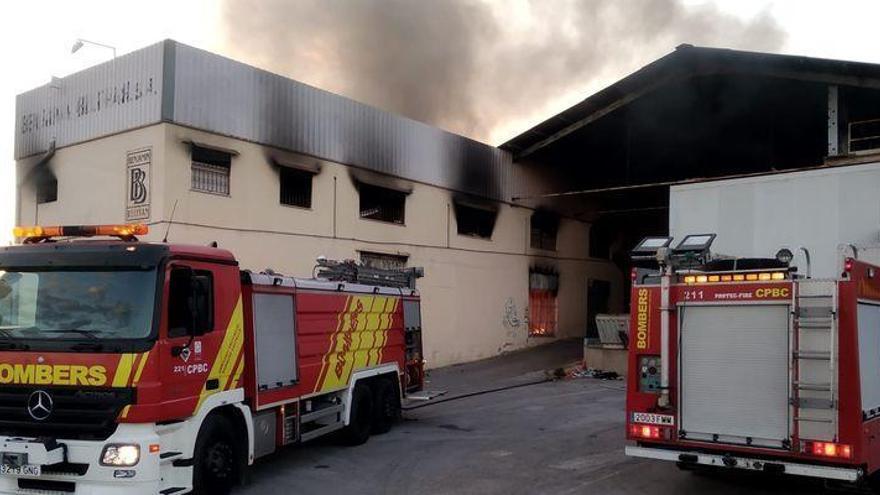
(81, 42)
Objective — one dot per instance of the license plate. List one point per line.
(23, 470)
(653, 419)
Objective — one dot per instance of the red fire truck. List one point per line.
(744, 363)
(164, 368)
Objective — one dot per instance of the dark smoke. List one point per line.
(474, 66)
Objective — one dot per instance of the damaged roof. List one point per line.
(686, 62)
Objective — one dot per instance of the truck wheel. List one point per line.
(387, 407)
(358, 430)
(215, 463)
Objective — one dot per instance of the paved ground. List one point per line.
(560, 437)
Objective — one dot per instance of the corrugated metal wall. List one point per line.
(219, 95)
(121, 94)
(227, 97)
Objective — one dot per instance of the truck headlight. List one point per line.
(121, 455)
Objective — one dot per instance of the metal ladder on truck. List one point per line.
(814, 359)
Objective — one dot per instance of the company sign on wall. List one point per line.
(115, 96)
(137, 173)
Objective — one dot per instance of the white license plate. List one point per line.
(23, 470)
(653, 419)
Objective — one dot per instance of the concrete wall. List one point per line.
(475, 291)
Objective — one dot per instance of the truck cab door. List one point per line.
(190, 335)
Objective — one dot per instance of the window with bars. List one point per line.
(296, 187)
(543, 305)
(383, 260)
(210, 171)
(544, 227)
(475, 222)
(379, 203)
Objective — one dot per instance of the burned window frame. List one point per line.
(302, 179)
(380, 198)
(543, 230)
(46, 189)
(475, 220)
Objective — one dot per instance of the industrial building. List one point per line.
(207, 149)
(521, 244)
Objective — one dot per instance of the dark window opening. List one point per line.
(379, 203)
(47, 190)
(383, 261)
(477, 222)
(296, 187)
(544, 227)
(190, 302)
(210, 170)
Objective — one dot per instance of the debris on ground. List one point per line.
(581, 372)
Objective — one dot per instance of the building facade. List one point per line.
(206, 149)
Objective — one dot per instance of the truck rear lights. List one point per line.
(649, 432)
(848, 265)
(828, 449)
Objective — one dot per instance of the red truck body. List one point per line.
(764, 374)
(274, 359)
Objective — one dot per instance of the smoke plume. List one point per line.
(479, 68)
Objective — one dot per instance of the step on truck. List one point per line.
(138, 367)
(748, 364)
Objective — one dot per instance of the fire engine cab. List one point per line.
(163, 368)
(748, 363)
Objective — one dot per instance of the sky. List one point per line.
(36, 38)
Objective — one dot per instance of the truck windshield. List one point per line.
(76, 305)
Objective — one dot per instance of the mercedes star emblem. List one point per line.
(39, 405)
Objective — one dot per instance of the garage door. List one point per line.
(734, 374)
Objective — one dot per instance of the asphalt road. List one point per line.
(560, 437)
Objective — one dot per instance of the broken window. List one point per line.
(47, 190)
(383, 261)
(210, 170)
(543, 307)
(296, 187)
(475, 220)
(544, 226)
(379, 203)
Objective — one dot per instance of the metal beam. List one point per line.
(833, 136)
(695, 180)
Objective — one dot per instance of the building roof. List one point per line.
(685, 62)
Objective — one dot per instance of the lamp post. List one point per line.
(81, 42)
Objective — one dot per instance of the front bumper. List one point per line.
(747, 463)
(96, 479)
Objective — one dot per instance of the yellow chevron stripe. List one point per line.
(140, 368)
(237, 375)
(227, 355)
(125, 411)
(123, 370)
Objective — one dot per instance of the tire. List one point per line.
(386, 410)
(360, 421)
(216, 466)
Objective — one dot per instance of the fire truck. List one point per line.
(165, 368)
(752, 364)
